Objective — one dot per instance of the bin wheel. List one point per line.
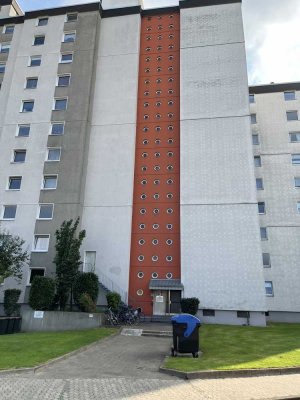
(195, 355)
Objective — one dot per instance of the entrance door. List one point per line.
(160, 299)
(175, 297)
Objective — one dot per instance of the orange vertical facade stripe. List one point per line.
(155, 241)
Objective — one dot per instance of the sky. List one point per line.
(272, 34)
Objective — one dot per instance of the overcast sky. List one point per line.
(272, 32)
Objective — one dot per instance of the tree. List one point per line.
(86, 283)
(67, 259)
(42, 293)
(12, 256)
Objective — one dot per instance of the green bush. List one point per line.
(86, 283)
(42, 293)
(86, 303)
(11, 306)
(190, 305)
(113, 300)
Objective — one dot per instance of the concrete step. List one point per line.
(157, 333)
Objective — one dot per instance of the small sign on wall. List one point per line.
(159, 299)
(38, 314)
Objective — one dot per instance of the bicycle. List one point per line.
(111, 317)
(139, 316)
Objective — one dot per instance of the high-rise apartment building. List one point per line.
(138, 122)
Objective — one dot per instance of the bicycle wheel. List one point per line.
(141, 317)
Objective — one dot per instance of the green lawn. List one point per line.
(34, 348)
(239, 347)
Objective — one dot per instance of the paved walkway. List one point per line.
(126, 367)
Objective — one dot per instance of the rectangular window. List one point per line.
(69, 37)
(295, 158)
(243, 314)
(27, 106)
(23, 130)
(53, 154)
(14, 182)
(269, 288)
(251, 98)
(4, 47)
(208, 313)
(259, 184)
(289, 96)
(35, 61)
(49, 182)
(255, 139)
(31, 83)
(19, 156)
(60, 104)
(57, 128)
(297, 182)
(45, 211)
(42, 21)
(39, 40)
(292, 115)
(41, 243)
(257, 161)
(72, 17)
(294, 137)
(2, 67)
(9, 29)
(9, 212)
(263, 234)
(66, 58)
(261, 207)
(266, 259)
(298, 206)
(253, 118)
(89, 261)
(36, 272)
(63, 80)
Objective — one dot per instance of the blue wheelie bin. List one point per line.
(185, 334)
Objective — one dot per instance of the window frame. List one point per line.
(4, 31)
(264, 205)
(57, 123)
(288, 92)
(269, 258)
(254, 142)
(61, 76)
(41, 19)
(66, 53)
(253, 118)
(264, 236)
(18, 130)
(289, 112)
(71, 20)
(38, 36)
(10, 178)
(272, 289)
(4, 209)
(47, 154)
(15, 151)
(251, 97)
(29, 275)
(3, 64)
(36, 57)
(293, 160)
(35, 241)
(22, 106)
(259, 180)
(38, 217)
(68, 33)
(45, 176)
(6, 46)
(294, 133)
(31, 78)
(295, 180)
(257, 161)
(57, 99)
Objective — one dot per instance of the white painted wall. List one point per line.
(220, 245)
(282, 219)
(11, 96)
(107, 212)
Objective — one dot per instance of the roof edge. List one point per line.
(205, 3)
(274, 87)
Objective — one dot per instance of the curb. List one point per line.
(240, 373)
(54, 360)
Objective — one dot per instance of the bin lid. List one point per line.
(190, 320)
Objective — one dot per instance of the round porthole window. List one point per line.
(158, 80)
(155, 242)
(159, 37)
(142, 211)
(147, 104)
(158, 104)
(158, 128)
(143, 182)
(144, 168)
(140, 292)
(156, 211)
(159, 48)
(142, 226)
(141, 242)
(170, 103)
(144, 155)
(145, 142)
(156, 182)
(148, 38)
(169, 275)
(156, 168)
(146, 116)
(171, 36)
(170, 68)
(170, 128)
(145, 129)
(154, 258)
(149, 27)
(147, 81)
(140, 275)
(171, 26)
(170, 167)
(169, 258)
(169, 211)
(156, 196)
(146, 93)
(157, 141)
(157, 154)
(154, 275)
(148, 48)
(158, 116)
(169, 242)
(158, 58)
(171, 80)
(171, 46)
(155, 226)
(169, 226)
(170, 115)
(147, 70)
(159, 27)
(170, 16)
(159, 69)
(141, 257)
(170, 154)
(158, 92)
(170, 196)
(170, 141)
(143, 196)
(170, 181)
(148, 59)
(170, 91)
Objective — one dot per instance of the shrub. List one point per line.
(86, 303)
(42, 293)
(113, 300)
(11, 306)
(190, 305)
(86, 283)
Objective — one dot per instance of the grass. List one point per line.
(34, 348)
(241, 347)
